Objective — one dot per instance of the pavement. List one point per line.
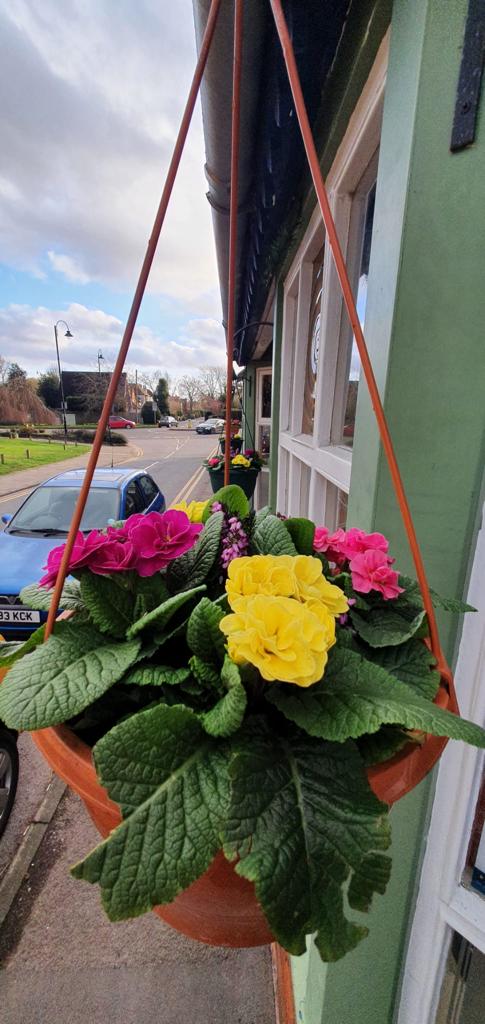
(62, 961)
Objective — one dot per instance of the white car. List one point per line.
(211, 426)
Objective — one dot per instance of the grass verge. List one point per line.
(41, 453)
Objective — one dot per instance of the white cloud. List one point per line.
(67, 265)
(92, 96)
(27, 337)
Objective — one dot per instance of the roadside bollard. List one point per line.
(2, 458)
(27, 453)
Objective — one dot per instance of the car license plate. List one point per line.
(18, 616)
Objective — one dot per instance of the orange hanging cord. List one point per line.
(233, 208)
(311, 153)
(135, 307)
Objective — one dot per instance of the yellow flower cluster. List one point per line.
(241, 460)
(194, 509)
(283, 619)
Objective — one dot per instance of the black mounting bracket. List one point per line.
(470, 80)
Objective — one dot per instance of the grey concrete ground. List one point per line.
(63, 961)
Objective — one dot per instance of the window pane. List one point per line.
(474, 873)
(336, 503)
(51, 508)
(264, 440)
(462, 999)
(354, 362)
(266, 396)
(313, 344)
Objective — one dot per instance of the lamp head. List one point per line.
(68, 334)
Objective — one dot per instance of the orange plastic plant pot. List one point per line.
(221, 908)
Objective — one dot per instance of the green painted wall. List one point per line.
(424, 323)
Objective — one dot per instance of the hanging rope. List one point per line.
(233, 209)
(307, 137)
(135, 307)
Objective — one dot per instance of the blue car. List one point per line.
(42, 522)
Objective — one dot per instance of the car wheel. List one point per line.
(9, 774)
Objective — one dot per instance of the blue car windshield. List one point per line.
(49, 510)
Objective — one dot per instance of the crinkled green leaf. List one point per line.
(205, 673)
(302, 532)
(302, 820)
(261, 515)
(380, 746)
(356, 697)
(203, 634)
(194, 566)
(151, 592)
(412, 663)
(232, 498)
(11, 651)
(449, 604)
(111, 605)
(272, 538)
(61, 677)
(385, 627)
(371, 876)
(171, 781)
(226, 716)
(156, 675)
(35, 596)
(160, 617)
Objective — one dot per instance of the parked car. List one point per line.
(211, 426)
(9, 773)
(42, 522)
(167, 421)
(121, 423)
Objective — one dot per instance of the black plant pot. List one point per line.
(236, 444)
(244, 478)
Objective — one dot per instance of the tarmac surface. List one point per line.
(62, 961)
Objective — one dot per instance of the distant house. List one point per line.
(392, 96)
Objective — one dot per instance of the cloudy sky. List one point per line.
(92, 93)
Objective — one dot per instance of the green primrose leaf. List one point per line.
(386, 627)
(203, 634)
(110, 605)
(411, 662)
(11, 651)
(449, 604)
(172, 783)
(356, 697)
(206, 675)
(272, 538)
(156, 675)
(380, 746)
(37, 597)
(303, 820)
(161, 616)
(61, 677)
(194, 567)
(226, 716)
(302, 532)
(232, 498)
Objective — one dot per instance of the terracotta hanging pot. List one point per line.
(221, 908)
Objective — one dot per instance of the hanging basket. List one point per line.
(244, 478)
(221, 908)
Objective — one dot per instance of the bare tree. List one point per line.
(189, 388)
(212, 381)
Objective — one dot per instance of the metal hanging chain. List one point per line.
(312, 157)
(135, 307)
(233, 210)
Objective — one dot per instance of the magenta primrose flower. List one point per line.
(145, 543)
(159, 538)
(371, 570)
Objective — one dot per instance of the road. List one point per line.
(172, 457)
(63, 962)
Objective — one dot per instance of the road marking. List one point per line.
(180, 444)
(194, 480)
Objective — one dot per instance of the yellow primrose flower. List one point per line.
(194, 509)
(312, 584)
(259, 574)
(285, 640)
(241, 460)
(297, 576)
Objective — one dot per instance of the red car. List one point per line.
(119, 423)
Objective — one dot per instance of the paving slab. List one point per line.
(64, 962)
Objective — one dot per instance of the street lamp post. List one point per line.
(63, 403)
(100, 357)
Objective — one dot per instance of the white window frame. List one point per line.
(329, 463)
(443, 904)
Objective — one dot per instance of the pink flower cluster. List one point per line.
(145, 544)
(367, 556)
(234, 541)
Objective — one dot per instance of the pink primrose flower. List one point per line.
(330, 544)
(158, 538)
(371, 571)
(213, 462)
(84, 551)
(355, 542)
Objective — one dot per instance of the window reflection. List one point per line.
(313, 344)
(361, 302)
(462, 998)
